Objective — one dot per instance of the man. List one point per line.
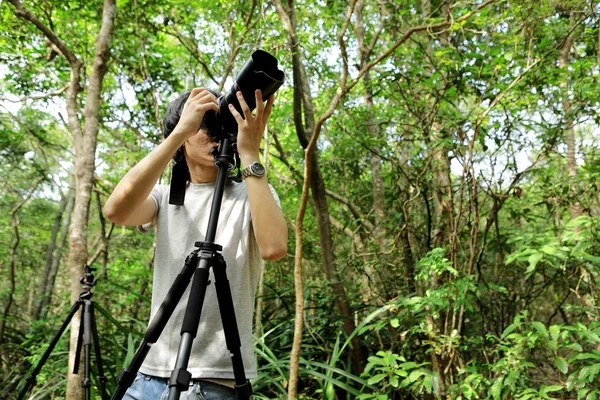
(251, 226)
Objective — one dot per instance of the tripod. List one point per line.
(197, 264)
(87, 333)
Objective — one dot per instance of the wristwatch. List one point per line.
(254, 169)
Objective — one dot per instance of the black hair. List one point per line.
(181, 172)
(174, 111)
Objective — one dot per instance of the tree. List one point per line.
(85, 147)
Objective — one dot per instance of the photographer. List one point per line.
(251, 227)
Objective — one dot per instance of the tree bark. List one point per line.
(85, 148)
(304, 122)
(575, 208)
(85, 151)
(12, 256)
(442, 198)
(379, 231)
(102, 252)
(365, 50)
(54, 252)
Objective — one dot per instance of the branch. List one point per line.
(408, 34)
(357, 214)
(21, 12)
(37, 96)
(236, 47)
(73, 87)
(526, 70)
(356, 239)
(193, 51)
(138, 132)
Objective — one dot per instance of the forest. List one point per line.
(437, 163)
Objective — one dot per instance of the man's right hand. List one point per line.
(196, 106)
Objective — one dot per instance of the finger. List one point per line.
(207, 97)
(268, 108)
(260, 107)
(195, 92)
(244, 105)
(236, 114)
(208, 107)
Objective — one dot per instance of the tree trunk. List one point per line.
(374, 132)
(379, 232)
(54, 252)
(102, 252)
(85, 150)
(304, 122)
(12, 256)
(575, 208)
(443, 208)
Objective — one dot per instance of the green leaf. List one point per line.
(575, 346)
(561, 364)
(376, 378)
(533, 260)
(509, 329)
(554, 332)
(591, 258)
(395, 322)
(496, 389)
(541, 328)
(549, 250)
(587, 356)
(550, 389)
(581, 394)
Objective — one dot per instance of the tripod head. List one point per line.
(88, 280)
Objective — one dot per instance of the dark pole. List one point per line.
(210, 257)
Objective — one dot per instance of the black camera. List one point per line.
(259, 72)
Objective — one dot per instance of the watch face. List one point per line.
(258, 169)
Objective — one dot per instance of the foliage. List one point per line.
(475, 276)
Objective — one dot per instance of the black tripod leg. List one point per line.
(232, 335)
(102, 379)
(157, 325)
(86, 327)
(79, 341)
(180, 377)
(30, 380)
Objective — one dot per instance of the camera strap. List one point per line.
(179, 177)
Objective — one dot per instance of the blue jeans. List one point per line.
(146, 387)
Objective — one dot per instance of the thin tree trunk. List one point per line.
(12, 256)
(103, 250)
(84, 169)
(365, 50)
(369, 290)
(58, 253)
(305, 122)
(575, 208)
(443, 208)
(46, 284)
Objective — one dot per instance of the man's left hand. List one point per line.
(251, 128)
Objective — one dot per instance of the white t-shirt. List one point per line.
(178, 228)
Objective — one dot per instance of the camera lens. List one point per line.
(259, 72)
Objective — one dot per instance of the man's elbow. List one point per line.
(274, 253)
(112, 214)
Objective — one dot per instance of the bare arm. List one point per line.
(270, 228)
(129, 203)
